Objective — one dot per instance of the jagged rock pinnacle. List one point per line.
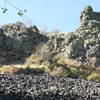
(88, 14)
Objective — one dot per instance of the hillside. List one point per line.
(58, 60)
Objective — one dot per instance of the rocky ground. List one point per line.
(42, 86)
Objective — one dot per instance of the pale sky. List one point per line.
(53, 14)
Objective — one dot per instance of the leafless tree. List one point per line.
(4, 9)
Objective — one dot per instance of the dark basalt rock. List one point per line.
(46, 87)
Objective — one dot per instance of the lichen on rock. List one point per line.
(82, 44)
(18, 41)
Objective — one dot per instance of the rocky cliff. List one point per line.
(83, 45)
(17, 42)
(89, 33)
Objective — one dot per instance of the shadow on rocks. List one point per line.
(43, 96)
(29, 72)
(13, 96)
(17, 42)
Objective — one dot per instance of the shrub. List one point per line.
(94, 76)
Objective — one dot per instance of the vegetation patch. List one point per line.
(94, 76)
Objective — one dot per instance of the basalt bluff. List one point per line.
(83, 45)
(59, 53)
(17, 42)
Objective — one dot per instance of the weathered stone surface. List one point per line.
(82, 44)
(88, 14)
(89, 31)
(76, 49)
(18, 41)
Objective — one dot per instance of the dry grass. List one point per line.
(67, 67)
(85, 66)
(94, 76)
(59, 71)
(72, 63)
(33, 59)
(8, 69)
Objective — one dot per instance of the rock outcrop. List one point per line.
(83, 44)
(18, 41)
(88, 14)
(89, 31)
(87, 43)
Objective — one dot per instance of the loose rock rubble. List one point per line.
(46, 87)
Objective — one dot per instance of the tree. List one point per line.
(4, 9)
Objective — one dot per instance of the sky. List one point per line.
(48, 15)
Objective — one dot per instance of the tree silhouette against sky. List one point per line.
(4, 9)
